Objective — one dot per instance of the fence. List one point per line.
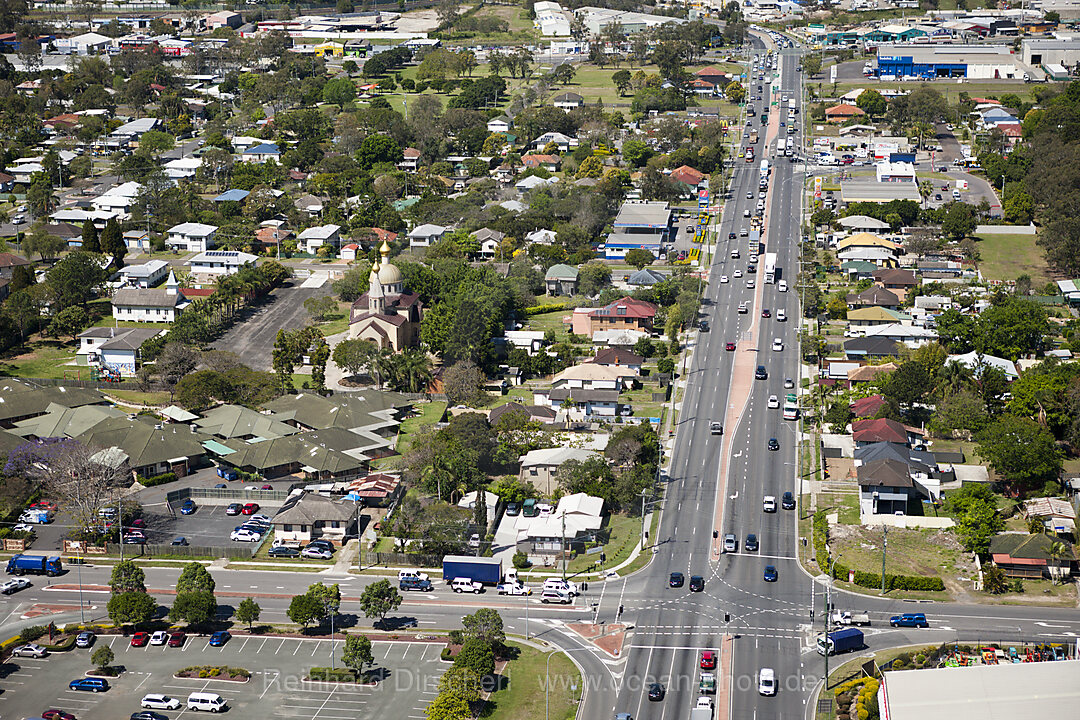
(173, 497)
(406, 559)
(232, 552)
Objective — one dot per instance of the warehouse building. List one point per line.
(981, 62)
(1062, 51)
(595, 19)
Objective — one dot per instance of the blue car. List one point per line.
(219, 638)
(188, 507)
(770, 573)
(917, 620)
(89, 684)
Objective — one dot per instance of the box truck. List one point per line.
(479, 569)
(840, 641)
(35, 565)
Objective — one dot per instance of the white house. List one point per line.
(501, 124)
(563, 142)
(219, 262)
(149, 304)
(568, 101)
(117, 201)
(313, 238)
(136, 128)
(538, 467)
(182, 168)
(575, 520)
(541, 236)
(136, 240)
(90, 43)
(147, 275)
(114, 348)
(910, 335)
(261, 153)
(976, 362)
(191, 237)
(426, 235)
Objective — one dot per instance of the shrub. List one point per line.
(541, 309)
(325, 674)
(161, 479)
(32, 633)
(521, 560)
(446, 654)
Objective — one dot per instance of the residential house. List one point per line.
(910, 335)
(581, 403)
(714, 76)
(867, 373)
(370, 414)
(146, 275)
(300, 455)
(8, 263)
(376, 490)
(500, 124)
(1058, 516)
(928, 307)
(873, 297)
(624, 314)
(1026, 556)
(135, 129)
(387, 314)
(349, 251)
(7, 182)
(235, 195)
(842, 112)
(539, 468)
(639, 225)
(541, 236)
(863, 223)
(532, 182)
(183, 168)
(872, 316)
(561, 279)
(864, 432)
(689, 178)
(313, 238)
(310, 204)
(575, 521)
(872, 348)
(864, 240)
(410, 159)
(137, 304)
(897, 281)
(263, 152)
(136, 240)
(426, 235)
(531, 413)
(531, 341)
(148, 447)
(64, 422)
(975, 362)
(191, 237)
(551, 163)
(237, 422)
(310, 516)
(564, 143)
(867, 407)
(490, 241)
(568, 101)
(886, 487)
(117, 201)
(594, 376)
(21, 399)
(272, 236)
(219, 262)
(65, 231)
(645, 277)
(618, 358)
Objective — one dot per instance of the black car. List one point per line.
(676, 579)
(147, 715)
(179, 540)
(321, 544)
(284, 552)
(761, 373)
(731, 236)
(656, 691)
(774, 444)
(703, 326)
(751, 544)
(788, 501)
(513, 509)
(770, 573)
(414, 583)
(697, 583)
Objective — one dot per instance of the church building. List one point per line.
(386, 314)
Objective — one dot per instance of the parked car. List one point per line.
(85, 639)
(157, 701)
(140, 639)
(244, 535)
(147, 715)
(322, 544)
(179, 540)
(283, 551)
(219, 638)
(513, 509)
(188, 507)
(54, 714)
(250, 508)
(160, 637)
(317, 553)
(176, 639)
(234, 509)
(30, 650)
(89, 685)
(708, 660)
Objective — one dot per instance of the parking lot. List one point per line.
(276, 689)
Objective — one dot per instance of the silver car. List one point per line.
(31, 650)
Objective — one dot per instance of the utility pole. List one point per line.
(884, 552)
(562, 545)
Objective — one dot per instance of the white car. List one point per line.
(317, 553)
(774, 402)
(723, 278)
(750, 283)
(24, 527)
(777, 344)
(32, 650)
(737, 273)
(782, 286)
(766, 681)
(160, 637)
(462, 584)
(564, 585)
(704, 701)
(157, 701)
(261, 519)
(243, 535)
(14, 585)
(474, 540)
(781, 315)
(514, 589)
(769, 504)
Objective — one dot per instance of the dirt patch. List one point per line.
(840, 469)
(417, 21)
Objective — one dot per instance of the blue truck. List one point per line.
(484, 570)
(840, 641)
(35, 565)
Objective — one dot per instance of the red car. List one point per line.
(267, 487)
(766, 313)
(57, 715)
(250, 509)
(138, 523)
(177, 639)
(729, 346)
(708, 659)
(139, 639)
(45, 505)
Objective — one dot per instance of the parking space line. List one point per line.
(315, 650)
(280, 646)
(298, 646)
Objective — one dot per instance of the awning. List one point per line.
(217, 448)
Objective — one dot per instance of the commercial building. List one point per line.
(595, 19)
(1009, 690)
(982, 62)
(1064, 50)
(644, 225)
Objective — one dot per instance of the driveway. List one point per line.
(253, 335)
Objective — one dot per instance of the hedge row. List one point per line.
(158, 479)
(866, 579)
(541, 309)
(325, 674)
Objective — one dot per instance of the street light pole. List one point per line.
(547, 686)
(884, 551)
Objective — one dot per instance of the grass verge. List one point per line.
(534, 685)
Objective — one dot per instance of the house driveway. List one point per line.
(252, 335)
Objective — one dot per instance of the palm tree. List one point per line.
(415, 368)
(953, 378)
(1059, 551)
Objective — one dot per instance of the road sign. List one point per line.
(595, 550)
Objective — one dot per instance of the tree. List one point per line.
(636, 153)
(922, 242)
(195, 608)
(977, 520)
(959, 220)
(321, 307)
(476, 655)
(357, 653)
(248, 611)
(155, 142)
(175, 362)
(811, 65)
(995, 581)
(1021, 450)
(76, 280)
(486, 625)
(735, 92)
(463, 383)
(131, 608)
(339, 91)
(329, 596)
(639, 258)
(90, 237)
(103, 657)
(378, 599)
(304, 610)
(591, 167)
(872, 102)
(463, 682)
(448, 706)
(593, 277)
(70, 321)
(195, 578)
(39, 240)
(621, 80)
(127, 577)
(563, 74)
(112, 240)
(908, 384)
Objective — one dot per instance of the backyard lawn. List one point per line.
(46, 359)
(1006, 257)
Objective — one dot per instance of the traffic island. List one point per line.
(607, 637)
(214, 672)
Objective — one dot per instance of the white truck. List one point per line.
(770, 267)
(849, 617)
(701, 713)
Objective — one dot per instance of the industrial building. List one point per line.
(595, 19)
(551, 19)
(1064, 50)
(981, 62)
(1007, 690)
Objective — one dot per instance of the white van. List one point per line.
(411, 573)
(561, 585)
(464, 584)
(211, 702)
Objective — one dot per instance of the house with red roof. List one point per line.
(624, 314)
(410, 159)
(688, 176)
(867, 407)
(842, 112)
(551, 163)
(865, 432)
(714, 76)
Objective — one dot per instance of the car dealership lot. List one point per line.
(276, 688)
